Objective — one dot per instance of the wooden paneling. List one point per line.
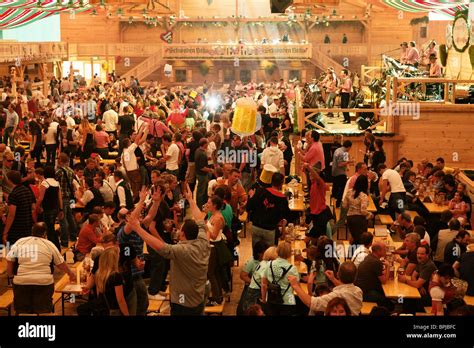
(440, 134)
(86, 28)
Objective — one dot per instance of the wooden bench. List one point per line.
(6, 301)
(367, 307)
(154, 306)
(3, 265)
(427, 313)
(215, 310)
(385, 219)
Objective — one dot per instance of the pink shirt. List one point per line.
(315, 154)
(435, 70)
(317, 196)
(347, 86)
(413, 56)
(101, 139)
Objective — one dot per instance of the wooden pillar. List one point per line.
(300, 115)
(368, 30)
(92, 71)
(71, 75)
(44, 77)
(13, 79)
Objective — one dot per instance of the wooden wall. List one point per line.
(440, 134)
(85, 28)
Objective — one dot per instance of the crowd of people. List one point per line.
(118, 165)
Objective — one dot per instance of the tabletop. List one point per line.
(434, 208)
(296, 204)
(301, 245)
(469, 300)
(395, 289)
(371, 208)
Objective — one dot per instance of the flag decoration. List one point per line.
(448, 7)
(17, 13)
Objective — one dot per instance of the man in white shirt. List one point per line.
(11, 123)
(345, 289)
(33, 283)
(360, 253)
(107, 221)
(110, 118)
(71, 124)
(50, 141)
(391, 181)
(273, 155)
(129, 162)
(172, 156)
(272, 108)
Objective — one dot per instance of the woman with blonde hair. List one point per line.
(86, 130)
(253, 294)
(276, 288)
(109, 283)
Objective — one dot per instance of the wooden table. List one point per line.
(434, 208)
(469, 300)
(68, 290)
(371, 208)
(301, 245)
(296, 204)
(394, 289)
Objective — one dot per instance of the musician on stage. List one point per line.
(435, 68)
(331, 88)
(429, 51)
(413, 56)
(404, 52)
(346, 90)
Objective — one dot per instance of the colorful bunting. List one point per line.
(16, 13)
(449, 7)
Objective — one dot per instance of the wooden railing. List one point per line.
(368, 73)
(415, 90)
(322, 61)
(31, 51)
(145, 68)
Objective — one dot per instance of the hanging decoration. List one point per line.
(440, 6)
(461, 32)
(167, 37)
(14, 14)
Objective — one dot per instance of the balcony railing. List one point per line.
(26, 51)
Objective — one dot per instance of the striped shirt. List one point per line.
(22, 198)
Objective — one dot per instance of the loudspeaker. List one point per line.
(279, 6)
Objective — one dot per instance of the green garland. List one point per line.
(424, 19)
(461, 15)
